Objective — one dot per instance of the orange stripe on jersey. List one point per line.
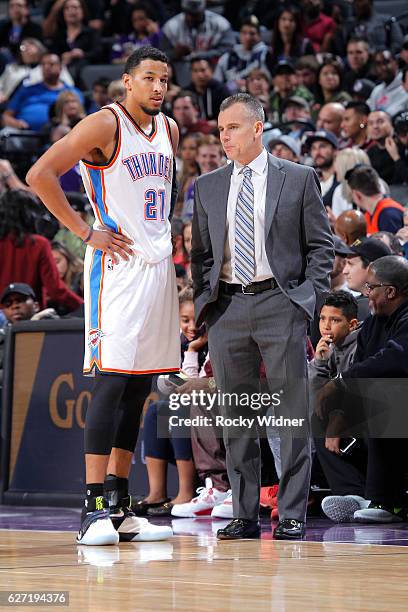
(100, 305)
(93, 199)
(116, 150)
(135, 372)
(168, 131)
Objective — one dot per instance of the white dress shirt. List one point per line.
(259, 167)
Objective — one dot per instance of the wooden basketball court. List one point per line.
(200, 573)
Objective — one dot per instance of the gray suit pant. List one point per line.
(242, 330)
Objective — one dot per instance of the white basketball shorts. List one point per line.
(131, 315)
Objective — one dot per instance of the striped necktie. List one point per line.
(244, 231)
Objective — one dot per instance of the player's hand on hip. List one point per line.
(112, 243)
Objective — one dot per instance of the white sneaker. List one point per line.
(207, 499)
(341, 508)
(137, 529)
(96, 526)
(224, 510)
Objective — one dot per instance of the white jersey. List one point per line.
(131, 194)
(131, 307)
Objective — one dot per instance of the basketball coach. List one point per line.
(261, 259)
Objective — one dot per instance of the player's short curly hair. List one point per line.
(144, 53)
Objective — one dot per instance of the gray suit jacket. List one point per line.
(298, 238)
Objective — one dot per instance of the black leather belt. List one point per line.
(251, 289)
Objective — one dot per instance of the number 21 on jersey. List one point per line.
(154, 205)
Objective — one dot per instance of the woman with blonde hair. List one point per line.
(345, 161)
(68, 109)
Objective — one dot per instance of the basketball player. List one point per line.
(126, 155)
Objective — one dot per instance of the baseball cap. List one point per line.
(369, 248)
(362, 88)
(322, 135)
(298, 100)
(21, 288)
(340, 247)
(288, 141)
(400, 122)
(284, 67)
(193, 6)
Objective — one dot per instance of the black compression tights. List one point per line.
(113, 416)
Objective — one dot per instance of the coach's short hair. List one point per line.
(393, 270)
(253, 105)
(144, 53)
(364, 179)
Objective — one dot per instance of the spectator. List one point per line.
(145, 31)
(209, 92)
(187, 167)
(329, 84)
(27, 68)
(337, 279)
(402, 235)
(368, 24)
(16, 27)
(26, 257)
(381, 213)
(306, 72)
(181, 277)
(389, 95)
(258, 85)
(288, 43)
(397, 148)
(403, 55)
(391, 240)
(346, 159)
(323, 147)
(362, 253)
(68, 109)
(70, 268)
(382, 351)
(54, 17)
(350, 226)
(210, 156)
(99, 95)
(116, 91)
(335, 351)
(317, 27)
(18, 303)
(195, 30)
(359, 64)
(186, 112)
(75, 42)
(30, 105)
(284, 87)
(285, 147)
(234, 66)
(362, 89)
(172, 90)
(380, 131)
(29, 55)
(330, 117)
(354, 125)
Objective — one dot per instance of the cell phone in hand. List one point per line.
(347, 445)
(176, 380)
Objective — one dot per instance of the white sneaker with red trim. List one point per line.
(207, 499)
(224, 510)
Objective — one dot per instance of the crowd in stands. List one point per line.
(332, 77)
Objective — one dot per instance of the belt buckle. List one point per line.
(247, 292)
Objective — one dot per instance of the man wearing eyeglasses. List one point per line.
(382, 353)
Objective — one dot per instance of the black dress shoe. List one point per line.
(140, 507)
(290, 529)
(162, 510)
(239, 529)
